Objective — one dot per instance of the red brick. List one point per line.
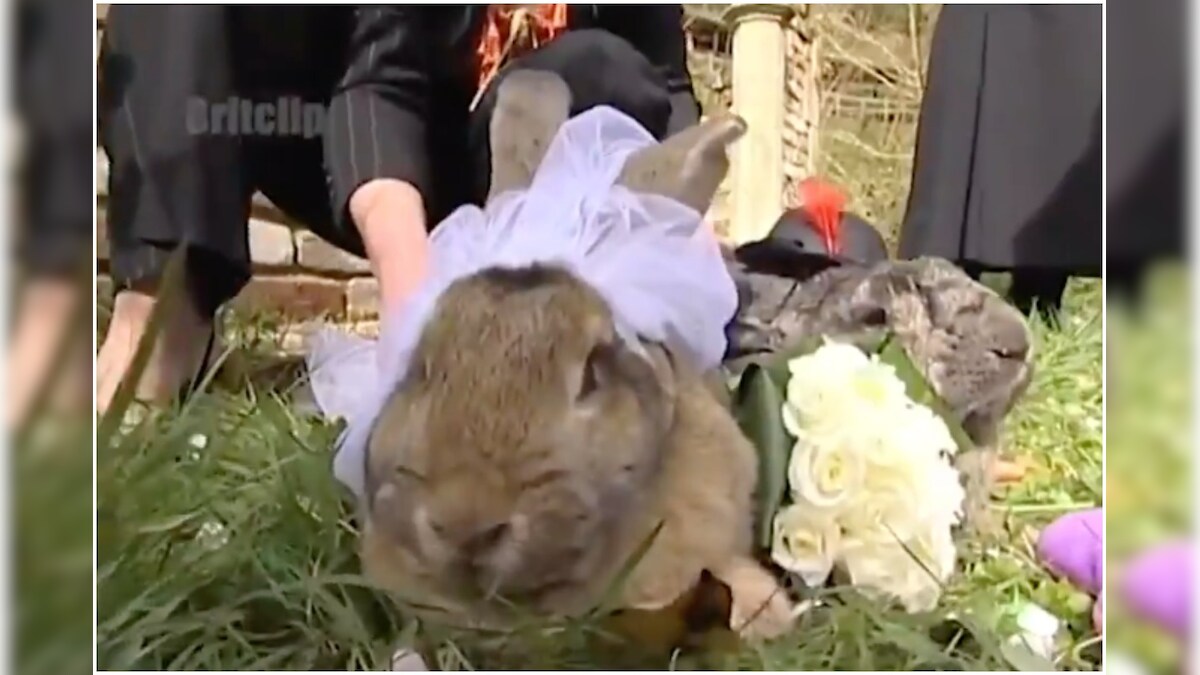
(298, 296)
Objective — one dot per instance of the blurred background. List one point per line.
(48, 150)
(853, 84)
(1150, 340)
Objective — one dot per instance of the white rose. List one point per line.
(830, 358)
(889, 503)
(817, 387)
(944, 494)
(939, 551)
(791, 419)
(813, 404)
(925, 432)
(912, 574)
(870, 469)
(901, 500)
(805, 543)
(839, 385)
(825, 472)
(905, 484)
(877, 385)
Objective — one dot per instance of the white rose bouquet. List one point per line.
(856, 474)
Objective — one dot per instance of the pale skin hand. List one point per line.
(390, 217)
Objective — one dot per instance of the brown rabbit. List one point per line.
(531, 452)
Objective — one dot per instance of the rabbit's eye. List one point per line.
(588, 384)
(599, 358)
(876, 316)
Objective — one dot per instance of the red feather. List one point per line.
(824, 203)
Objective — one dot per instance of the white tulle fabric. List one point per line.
(650, 257)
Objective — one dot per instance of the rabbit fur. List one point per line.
(530, 452)
(975, 349)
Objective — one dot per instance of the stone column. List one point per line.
(759, 96)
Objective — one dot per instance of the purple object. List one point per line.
(1073, 547)
(1157, 586)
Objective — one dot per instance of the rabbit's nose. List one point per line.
(481, 558)
(484, 539)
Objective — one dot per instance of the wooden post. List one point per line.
(759, 95)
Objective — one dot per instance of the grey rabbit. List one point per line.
(975, 349)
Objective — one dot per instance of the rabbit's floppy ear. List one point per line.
(689, 166)
(530, 107)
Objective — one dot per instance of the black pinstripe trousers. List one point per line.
(181, 85)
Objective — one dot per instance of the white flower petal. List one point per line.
(825, 474)
(791, 420)
(912, 573)
(804, 544)
(870, 469)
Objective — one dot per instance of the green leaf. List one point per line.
(759, 405)
(919, 389)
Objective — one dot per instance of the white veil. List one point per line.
(651, 257)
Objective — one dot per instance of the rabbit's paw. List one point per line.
(761, 609)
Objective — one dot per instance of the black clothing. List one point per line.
(1008, 167)
(1146, 140)
(393, 84)
(54, 77)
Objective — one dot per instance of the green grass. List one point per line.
(1149, 445)
(225, 543)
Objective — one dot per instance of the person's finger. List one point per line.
(1073, 547)
(1157, 586)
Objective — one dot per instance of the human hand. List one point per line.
(1073, 547)
(390, 217)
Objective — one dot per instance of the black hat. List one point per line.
(813, 237)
